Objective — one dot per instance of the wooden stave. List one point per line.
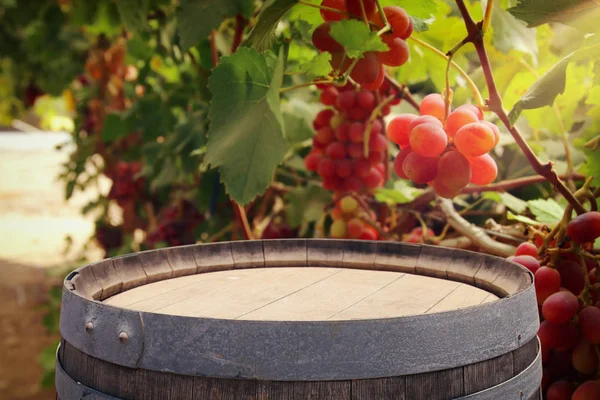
(232, 255)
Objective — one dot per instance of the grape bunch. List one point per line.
(338, 154)
(108, 236)
(446, 153)
(567, 291)
(368, 71)
(126, 184)
(175, 225)
(348, 222)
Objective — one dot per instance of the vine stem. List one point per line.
(475, 36)
(287, 89)
(240, 25)
(214, 53)
(403, 92)
(472, 85)
(487, 18)
(374, 114)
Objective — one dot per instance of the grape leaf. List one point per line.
(246, 136)
(546, 211)
(356, 37)
(262, 35)
(512, 34)
(306, 204)
(297, 129)
(116, 126)
(580, 14)
(317, 66)
(514, 203)
(196, 18)
(544, 90)
(134, 14)
(521, 218)
(420, 11)
(401, 193)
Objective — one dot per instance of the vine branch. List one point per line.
(475, 36)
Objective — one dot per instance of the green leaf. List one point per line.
(246, 138)
(514, 203)
(546, 211)
(356, 37)
(196, 18)
(306, 204)
(297, 130)
(166, 176)
(544, 90)
(580, 14)
(512, 34)
(401, 193)
(317, 66)
(521, 218)
(134, 14)
(116, 126)
(419, 11)
(262, 35)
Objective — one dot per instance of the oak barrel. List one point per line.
(299, 319)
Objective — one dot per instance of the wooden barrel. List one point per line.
(299, 319)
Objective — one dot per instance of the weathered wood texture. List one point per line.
(129, 383)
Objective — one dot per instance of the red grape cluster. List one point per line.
(347, 221)
(338, 153)
(108, 236)
(278, 229)
(126, 184)
(568, 295)
(446, 153)
(368, 71)
(175, 225)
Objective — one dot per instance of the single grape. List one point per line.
(589, 390)
(584, 357)
(399, 161)
(589, 322)
(548, 333)
(459, 118)
(332, 15)
(484, 169)
(434, 105)
(378, 143)
(453, 174)
(420, 169)
(375, 85)
(346, 100)
(343, 168)
(355, 150)
(527, 249)
(473, 108)
(323, 41)
(531, 263)
(338, 229)
(325, 136)
(336, 212)
(376, 127)
(329, 96)
(323, 118)
(429, 140)
(356, 132)
(366, 69)
(397, 54)
(326, 167)
(369, 233)
(585, 227)
(398, 129)
(424, 119)
(342, 133)
(362, 167)
(348, 204)
(336, 150)
(355, 228)
(353, 184)
(495, 130)
(474, 139)
(373, 179)
(358, 114)
(376, 157)
(559, 390)
(560, 307)
(365, 99)
(354, 7)
(547, 282)
(571, 275)
(399, 20)
(336, 121)
(311, 161)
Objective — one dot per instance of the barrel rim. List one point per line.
(356, 349)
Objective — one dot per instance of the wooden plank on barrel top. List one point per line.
(434, 261)
(398, 257)
(248, 254)
(325, 252)
(155, 265)
(130, 270)
(85, 284)
(381, 388)
(213, 257)
(182, 261)
(487, 274)
(464, 266)
(285, 253)
(359, 254)
(107, 277)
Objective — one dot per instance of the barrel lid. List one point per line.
(347, 343)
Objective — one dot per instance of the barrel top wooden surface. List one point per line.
(301, 294)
